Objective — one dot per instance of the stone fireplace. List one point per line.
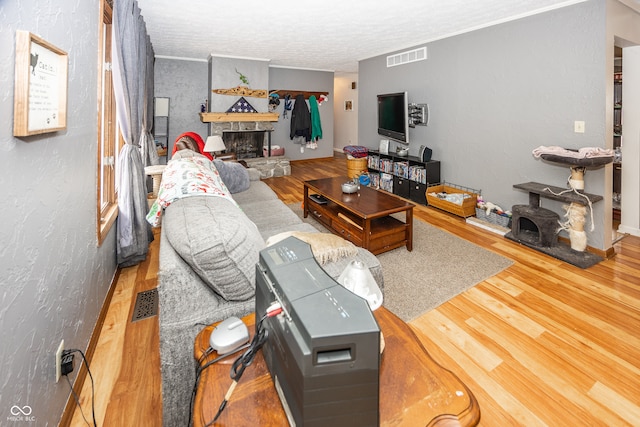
(257, 131)
(245, 139)
(246, 144)
(245, 133)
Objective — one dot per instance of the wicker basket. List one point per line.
(468, 206)
(355, 167)
(493, 218)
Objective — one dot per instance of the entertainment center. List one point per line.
(404, 176)
(398, 173)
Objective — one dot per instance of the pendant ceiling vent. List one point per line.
(413, 55)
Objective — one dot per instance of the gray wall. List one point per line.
(184, 82)
(223, 75)
(53, 275)
(497, 93)
(308, 80)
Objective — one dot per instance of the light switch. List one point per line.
(578, 126)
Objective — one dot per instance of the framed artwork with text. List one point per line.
(40, 90)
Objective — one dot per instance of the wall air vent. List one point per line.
(413, 55)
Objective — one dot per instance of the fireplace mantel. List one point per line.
(238, 117)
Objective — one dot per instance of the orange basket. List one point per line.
(356, 167)
(468, 206)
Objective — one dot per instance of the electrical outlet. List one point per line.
(578, 126)
(59, 360)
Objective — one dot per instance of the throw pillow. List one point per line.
(326, 247)
(218, 241)
(234, 175)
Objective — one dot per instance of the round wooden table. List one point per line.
(414, 389)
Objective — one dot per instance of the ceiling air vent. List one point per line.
(414, 55)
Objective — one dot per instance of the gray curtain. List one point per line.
(148, 145)
(130, 75)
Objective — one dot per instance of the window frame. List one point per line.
(109, 139)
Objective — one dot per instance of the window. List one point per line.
(109, 142)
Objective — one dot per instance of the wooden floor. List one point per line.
(543, 343)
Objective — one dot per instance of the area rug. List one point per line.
(439, 267)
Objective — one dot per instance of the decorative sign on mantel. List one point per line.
(242, 91)
(40, 97)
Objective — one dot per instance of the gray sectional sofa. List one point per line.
(208, 250)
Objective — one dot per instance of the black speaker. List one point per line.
(425, 153)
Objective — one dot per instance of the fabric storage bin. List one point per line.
(493, 218)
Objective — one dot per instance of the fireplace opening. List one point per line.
(245, 144)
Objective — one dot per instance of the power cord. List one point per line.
(77, 399)
(66, 353)
(200, 369)
(241, 363)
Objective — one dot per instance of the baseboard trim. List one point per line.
(70, 407)
(306, 160)
(625, 229)
(604, 253)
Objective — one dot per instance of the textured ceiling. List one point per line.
(325, 34)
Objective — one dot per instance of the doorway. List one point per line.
(629, 161)
(617, 142)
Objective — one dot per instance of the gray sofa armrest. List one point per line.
(187, 305)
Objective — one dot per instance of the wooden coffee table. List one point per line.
(364, 218)
(414, 389)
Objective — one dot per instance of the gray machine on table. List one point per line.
(323, 350)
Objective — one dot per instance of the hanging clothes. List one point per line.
(287, 105)
(316, 125)
(300, 120)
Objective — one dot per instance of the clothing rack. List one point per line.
(293, 93)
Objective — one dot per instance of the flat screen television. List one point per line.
(393, 116)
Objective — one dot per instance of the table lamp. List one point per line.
(214, 144)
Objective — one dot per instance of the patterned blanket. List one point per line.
(185, 177)
(356, 151)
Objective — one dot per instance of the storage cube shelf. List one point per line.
(418, 174)
(386, 182)
(404, 176)
(401, 169)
